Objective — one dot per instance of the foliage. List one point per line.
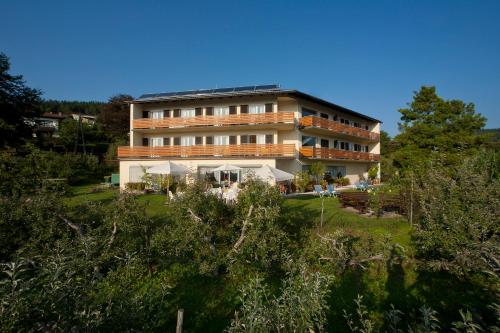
(300, 306)
(71, 131)
(302, 179)
(431, 126)
(17, 102)
(115, 117)
(317, 170)
(140, 186)
(461, 233)
(70, 107)
(373, 172)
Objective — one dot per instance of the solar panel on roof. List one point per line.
(212, 91)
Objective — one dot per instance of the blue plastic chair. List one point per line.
(319, 190)
(331, 190)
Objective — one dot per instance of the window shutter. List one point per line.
(269, 107)
(177, 113)
(166, 141)
(232, 139)
(198, 140)
(166, 113)
(145, 114)
(198, 111)
(252, 138)
(210, 111)
(210, 140)
(269, 139)
(145, 141)
(177, 141)
(232, 109)
(243, 108)
(324, 115)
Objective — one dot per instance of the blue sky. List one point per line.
(365, 55)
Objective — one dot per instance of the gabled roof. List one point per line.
(261, 90)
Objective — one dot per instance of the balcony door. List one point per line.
(220, 111)
(257, 108)
(188, 113)
(221, 140)
(156, 114)
(156, 142)
(188, 141)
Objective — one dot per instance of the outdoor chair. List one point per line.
(362, 186)
(331, 190)
(319, 190)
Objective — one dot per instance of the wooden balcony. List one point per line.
(204, 121)
(212, 151)
(333, 126)
(337, 154)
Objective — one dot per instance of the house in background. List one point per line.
(85, 118)
(47, 124)
(248, 127)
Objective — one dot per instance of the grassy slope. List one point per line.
(397, 283)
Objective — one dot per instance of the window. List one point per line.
(221, 140)
(221, 111)
(166, 113)
(198, 112)
(145, 141)
(177, 141)
(209, 111)
(324, 115)
(156, 142)
(198, 140)
(269, 108)
(335, 117)
(232, 109)
(336, 171)
(166, 141)
(244, 139)
(357, 147)
(336, 144)
(187, 141)
(177, 113)
(269, 139)
(325, 143)
(209, 140)
(308, 112)
(366, 127)
(252, 139)
(243, 108)
(187, 113)
(308, 141)
(257, 108)
(145, 114)
(366, 149)
(345, 145)
(232, 139)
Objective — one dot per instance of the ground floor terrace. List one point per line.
(132, 170)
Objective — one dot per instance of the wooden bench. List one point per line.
(358, 200)
(361, 201)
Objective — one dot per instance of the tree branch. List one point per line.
(113, 234)
(73, 226)
(243, 230)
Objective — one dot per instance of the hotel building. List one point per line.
(248, 127)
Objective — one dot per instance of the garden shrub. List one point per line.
(138, 186)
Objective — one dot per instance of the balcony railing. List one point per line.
(229, 120)
(243, 150)
(336, 154)
(312, 121)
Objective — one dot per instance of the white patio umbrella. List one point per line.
(168, 168)
(269, 173)
(226, 168)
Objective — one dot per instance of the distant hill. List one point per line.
(68, 107)
(493, 133)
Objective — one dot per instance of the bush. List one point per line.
(343, 181)
(140, 186)
(302, 179)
